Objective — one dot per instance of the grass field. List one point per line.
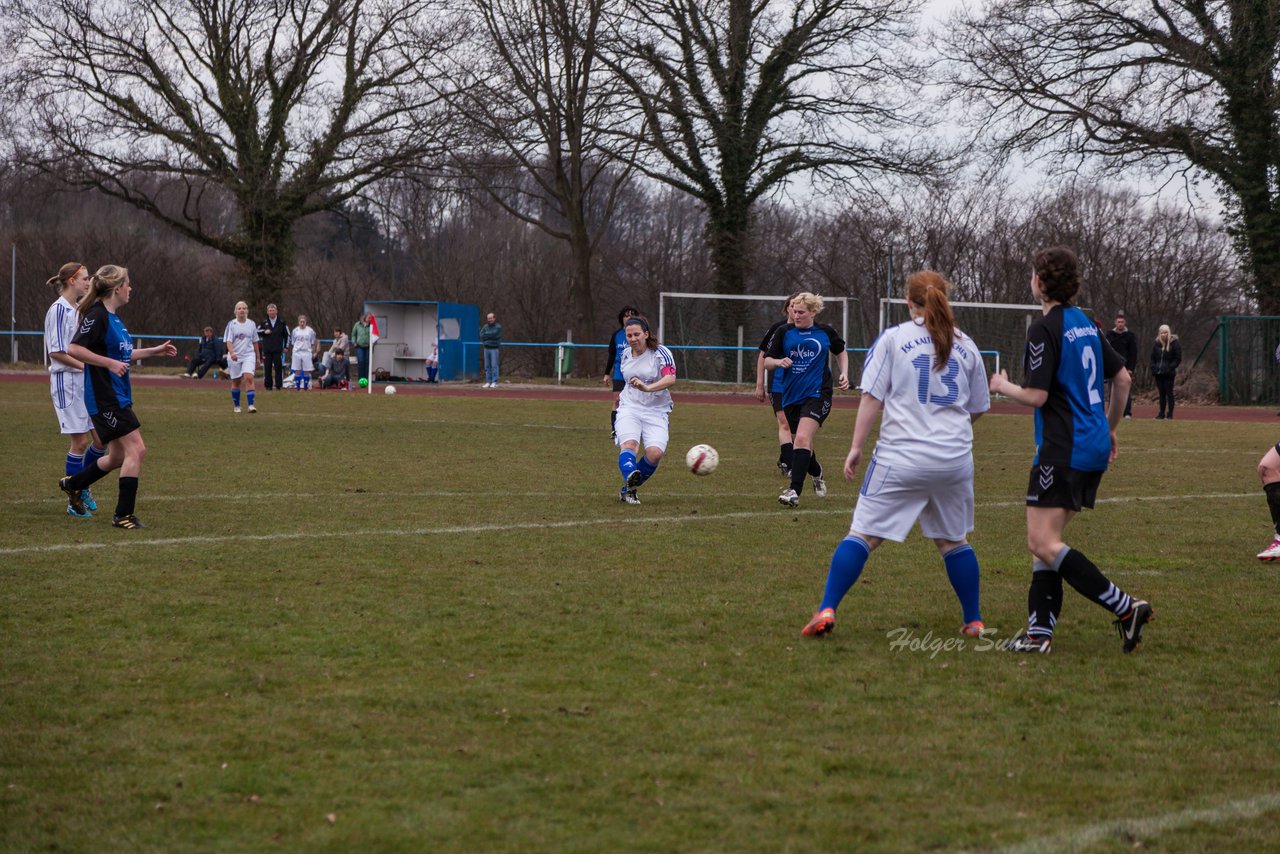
(425, 623)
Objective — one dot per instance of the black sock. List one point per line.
(784, 454)
(799, 466)
(1273, 503)
(1044, 603)
(1083, 575)
(815, 468)
(613, 421)
(128, 496)
(87, 476)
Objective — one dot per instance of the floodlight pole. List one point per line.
(13, 306)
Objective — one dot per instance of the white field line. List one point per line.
(1130, 831)
(132, 540)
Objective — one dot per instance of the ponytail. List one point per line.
(66, 273)
(928, 291)
(107, 279)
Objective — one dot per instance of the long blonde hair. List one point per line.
(928, 291)
(1165, 343)
(101, 284)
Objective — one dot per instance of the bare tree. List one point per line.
(540, 105)
(741, 97)
(1186, 84)
(268, 109)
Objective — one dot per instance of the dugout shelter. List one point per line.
(408, 328)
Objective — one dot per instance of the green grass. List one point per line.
(429, 620)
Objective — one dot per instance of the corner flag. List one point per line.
(373, 330)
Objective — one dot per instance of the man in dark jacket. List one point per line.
(274, 334)
(1125, 343)
(209, 352)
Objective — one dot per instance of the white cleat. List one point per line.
(236, 410)
(253, 408)
(819, 487)
(789, 498)
(1271, 552)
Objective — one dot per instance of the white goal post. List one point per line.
(693, 327)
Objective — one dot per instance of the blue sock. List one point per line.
(297, 379)
(626, 463)
(646, 468)
(306, 380)
(235, 397)
(962, 572)
(75, 462)
(846, 565)
(249, 395)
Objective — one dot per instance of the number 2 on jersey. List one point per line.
(1089, 360)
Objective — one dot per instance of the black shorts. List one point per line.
(619, 385)
(776, 397)
(817, 408)
(114, 423)
(1062, 486)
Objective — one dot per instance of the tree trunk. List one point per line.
(728, 235)
(581, 304)
(266, 253)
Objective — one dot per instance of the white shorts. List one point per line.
(893, 497)
(67, 390)
(650, 428)
(245, 365)
(302, 362)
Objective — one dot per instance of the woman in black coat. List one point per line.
(1166, 354)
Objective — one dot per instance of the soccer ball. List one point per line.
(390, 389)
(702, 459)
(364, 382)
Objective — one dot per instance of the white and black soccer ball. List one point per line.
(702, 459)
(390, 389)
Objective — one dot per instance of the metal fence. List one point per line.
(1243, 351)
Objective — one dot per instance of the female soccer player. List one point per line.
(305, 345)
(103, 344)
(613, 367)
(1065, 362)
(243, 355)
(66, 377)
(927, 378)
(802, 348)
(644, 406)
(773, 388)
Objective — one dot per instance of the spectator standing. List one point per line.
(273, 336)
(306, 344)
(1125, 343)
(209, 352)
(360, 339)
(432, 363)
(1166, 355)
(490, 341)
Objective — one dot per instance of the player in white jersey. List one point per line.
(306, 344)
(243, 355)
(928, 379)
(644, 406)
(66, 377)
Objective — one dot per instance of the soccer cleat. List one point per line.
(819, 487)
(789, 498)
(1271, 552)
(822, 622)
(786, 469)
(973, 628)
(130, 522)
(75, 504)
(236, 410)
(1022, 642)
(1130, 625)
(253, 408)
(71, 511)
(634, 479)
(628, 496)
(87, 497)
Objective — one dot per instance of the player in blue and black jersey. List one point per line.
(769, 387)
(803, 349)
(613, 368)
(1066, 361)
(104, 346)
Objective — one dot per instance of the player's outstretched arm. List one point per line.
(1033, 397)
